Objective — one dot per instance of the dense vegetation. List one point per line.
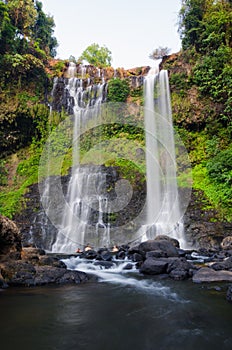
(201, 84)
(200, 81)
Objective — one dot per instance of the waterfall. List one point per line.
(163, 210)
(84, 198)
(93, 204)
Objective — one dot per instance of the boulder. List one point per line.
(154, 266)
(174, 241)
(179, 269)
(205, 274)
(227, 243)
(223, 265)
(21, 273)
(17, 272)
(166, 248)
(10, 240)
(48, 274)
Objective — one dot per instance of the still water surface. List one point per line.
(116, 315)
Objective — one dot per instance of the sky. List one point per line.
(130, 29)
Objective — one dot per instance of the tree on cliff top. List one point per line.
(96, 55)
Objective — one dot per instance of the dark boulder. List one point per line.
(154, 266)
(21, 273)
(166, 248)
(223, 265)
(137, 257)
(174, 241)
(179, 268)
(48, 274)
(128, 266)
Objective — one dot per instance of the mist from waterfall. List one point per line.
(163, 209)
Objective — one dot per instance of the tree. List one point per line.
(23, 15)
(160, 52)
(97, 56)
(43, 31)
(190, 22)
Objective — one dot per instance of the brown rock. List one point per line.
(10, 240)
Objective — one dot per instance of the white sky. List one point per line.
(130, 29)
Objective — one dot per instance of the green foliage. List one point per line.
(118, 90)
(219, 168)
(23, 16)
(96, 55)
(43, 31)
(179, 82)
(219, 194)
(190, 22)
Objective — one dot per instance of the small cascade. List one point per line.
(85, 213)
(163, 211)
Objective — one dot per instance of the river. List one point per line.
(123, 310)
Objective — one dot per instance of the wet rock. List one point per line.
(104, 264)
(137, 257)
(106, 255)
(90, 254)
(121, 255)
(179, 268)
(205, 274)
(10, 240)
(20, 273)
(128, 266)
(224, 265)
(47, 275)
(229, 294)
(154, 266)
(227, 243)
(164, 246)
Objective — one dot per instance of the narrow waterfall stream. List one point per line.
(163, 209)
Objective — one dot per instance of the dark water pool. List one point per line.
(114, 316)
